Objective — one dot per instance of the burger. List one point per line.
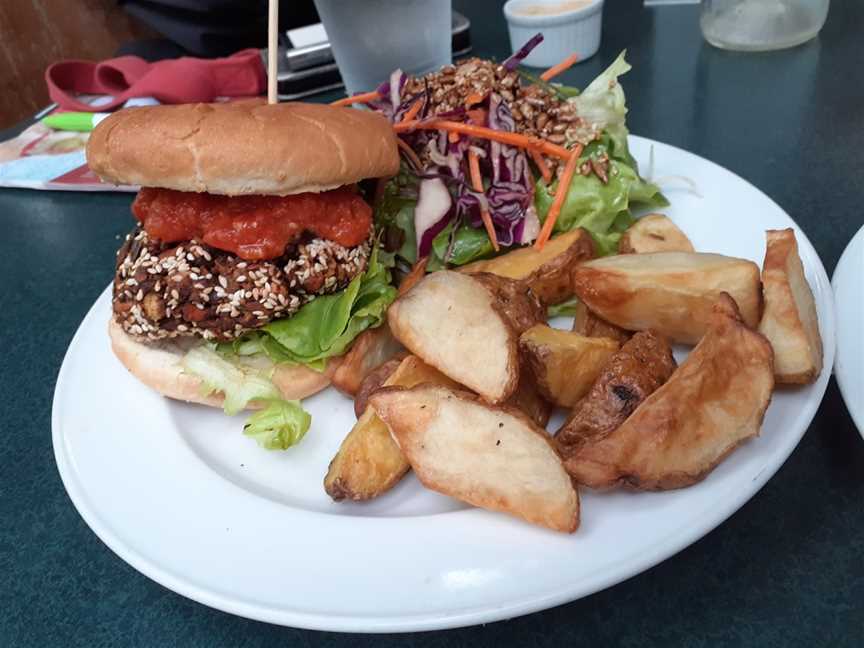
(253, 262)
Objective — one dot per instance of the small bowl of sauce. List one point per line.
(568, 26)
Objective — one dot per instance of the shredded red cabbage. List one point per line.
(513, 62)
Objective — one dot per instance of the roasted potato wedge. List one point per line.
(369, 462)
(546, 272)
(789, 322)
(588, 324)
(715, 401)
(632, 374)
(564, 364)
(457, 324)
(528, 400)
(491, 457)
(374, 380)
(672, 293)
(514, 300)
(654, 233)
(372, 348)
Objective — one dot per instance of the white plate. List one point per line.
(848, 282)
(179, 493)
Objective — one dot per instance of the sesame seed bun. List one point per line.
(243, 147)
(157, 365)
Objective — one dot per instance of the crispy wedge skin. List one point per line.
(654, 233)
(564, 364)
(528, 400)
(375, 379)
(454, 322)
(546, 272)
(588, 324)
(672, 293)
(491, 457)
(633, 373)
(715, 401)
(369, 462)
(371, 349)
(514, 300)
(789, 322)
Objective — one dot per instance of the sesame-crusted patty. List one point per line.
(190, 289)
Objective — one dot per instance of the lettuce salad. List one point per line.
(603, 207)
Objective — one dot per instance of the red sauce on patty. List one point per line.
(253, 227)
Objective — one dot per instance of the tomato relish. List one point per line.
(253, 227)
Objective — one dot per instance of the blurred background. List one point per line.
(36, 33)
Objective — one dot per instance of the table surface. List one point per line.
(786, 569)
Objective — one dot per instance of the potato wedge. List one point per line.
(654, 233)
(528, 400)
(374, 380)
(715, 401)
(491, 457)
(372, 348)
(369, 462)
(455, 323)
(564, 364)
(672, 293)
(514, 300)
(632, 374)
(789, 322)
(546, 272)
(588, 324)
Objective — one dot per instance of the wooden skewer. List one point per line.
(272, 51)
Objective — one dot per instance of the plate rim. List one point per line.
(844, 377)
(709, 518)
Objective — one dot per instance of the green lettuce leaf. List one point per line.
(327, 325)
(469, 244)
(603, 102)
(281, 424)
(564, 309)
(602, 209)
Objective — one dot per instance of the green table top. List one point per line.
(786, 569)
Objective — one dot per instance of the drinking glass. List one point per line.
(371, 38)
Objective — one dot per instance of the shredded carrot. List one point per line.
(452, 137)
(541, 165)
(505, 137)
(555, 70)
(414, 276)
(473, 98)
(412, 111)
(560, 196)
(365, 97)
(477, 182)
(409, 153)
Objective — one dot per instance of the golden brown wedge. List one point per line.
(632, 374)
(370, 349)
(369, 462)
(789, 322)
(491, 457)
(672, 293)
(588, 324)
(546, 272)
(564, 364)
(715, 401)
(654, 233)
(528, 400)
(459, 325)
(375, 379)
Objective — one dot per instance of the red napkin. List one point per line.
(182, 80)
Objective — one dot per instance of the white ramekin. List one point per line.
(563, 33)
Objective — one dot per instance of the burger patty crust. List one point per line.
(190, 289)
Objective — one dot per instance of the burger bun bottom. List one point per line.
(157, 365)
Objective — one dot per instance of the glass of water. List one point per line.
(758, 25)
(371, 38)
